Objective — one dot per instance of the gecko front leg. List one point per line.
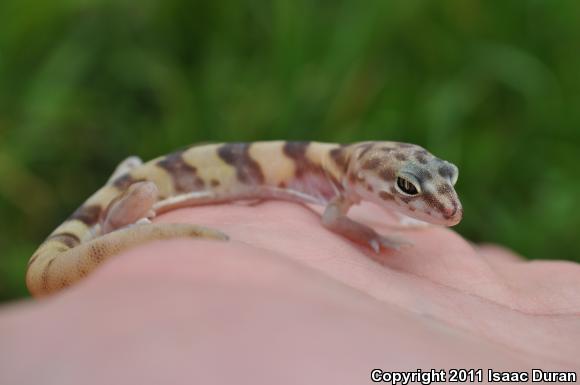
(334, 218)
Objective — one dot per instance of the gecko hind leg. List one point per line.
(133, 205)
(124, 224)
(135, 208)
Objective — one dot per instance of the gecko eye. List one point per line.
(406, 187)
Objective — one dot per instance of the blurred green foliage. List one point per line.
(493, 86)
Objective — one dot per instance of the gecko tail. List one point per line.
(57, 265)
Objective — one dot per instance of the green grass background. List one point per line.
(493, 86)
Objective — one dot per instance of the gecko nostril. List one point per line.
(456, 214)
(450, 212)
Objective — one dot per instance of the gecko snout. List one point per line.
(453, 214)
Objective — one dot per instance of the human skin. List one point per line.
(286, 301)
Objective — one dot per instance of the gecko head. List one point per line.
(407, 178)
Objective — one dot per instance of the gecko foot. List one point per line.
(393, 243)
(142, 221)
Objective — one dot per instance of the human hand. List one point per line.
(287, 301)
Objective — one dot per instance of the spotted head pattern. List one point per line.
(405, 176)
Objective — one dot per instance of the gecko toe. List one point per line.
(374, 244)
(394, 243)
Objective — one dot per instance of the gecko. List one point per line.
(401, 177)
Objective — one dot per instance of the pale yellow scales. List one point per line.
(399, 176)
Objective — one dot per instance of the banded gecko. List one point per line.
(401, 177)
